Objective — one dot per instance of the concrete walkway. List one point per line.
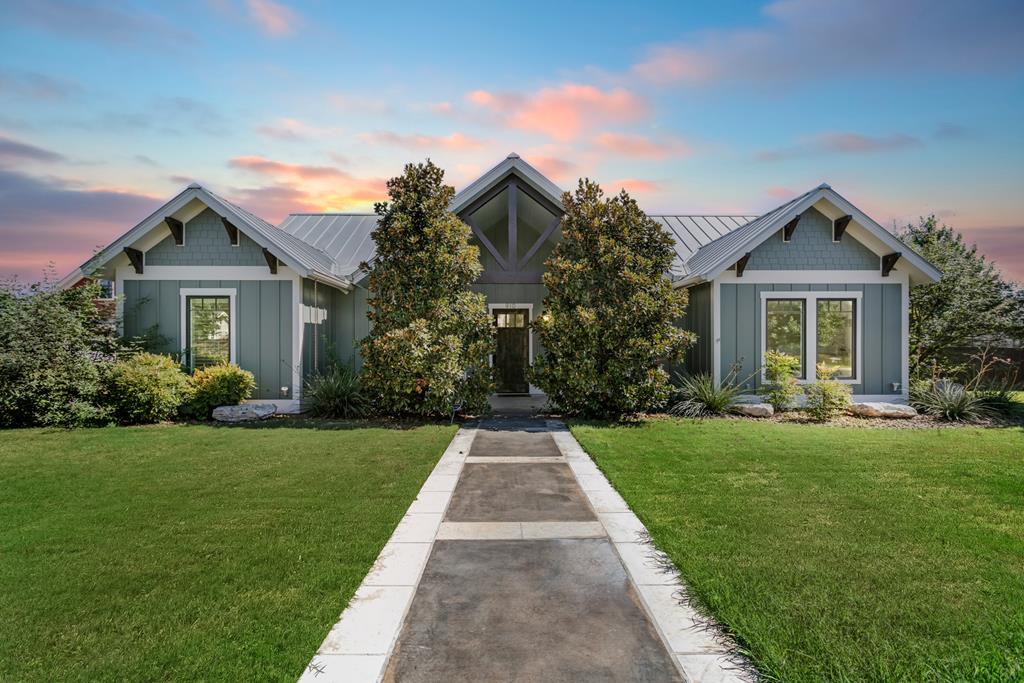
(519, 562)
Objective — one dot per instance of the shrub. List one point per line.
(949, 401)
(699, 396)
(608, 326)
(144, 388)
(431, 335)
(335, 393)
(827, 398)
(219, 385)
(51, 345)
(782, 387)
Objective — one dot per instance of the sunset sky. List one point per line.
(108, 109)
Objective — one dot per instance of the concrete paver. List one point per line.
(518, 492)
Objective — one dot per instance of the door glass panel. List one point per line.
(836, 322)
(209, 330)
(784, 328)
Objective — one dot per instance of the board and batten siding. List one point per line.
(263, 324)
(880, 314)
(699, 359)
(520, 293)
(811, 248)
(206, 243)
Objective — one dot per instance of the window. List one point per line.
(837, 319)
(818, 327)
(208, 330)
(510, 318)
(784, 328)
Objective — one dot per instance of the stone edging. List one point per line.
(359, 644)
(701, 653)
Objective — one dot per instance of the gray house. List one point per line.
(815, 278)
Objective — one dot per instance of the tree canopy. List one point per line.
(431, 335)
(608, 324)
(971, 306)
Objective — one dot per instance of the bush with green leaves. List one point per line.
(827, 397)
(144, 388)
(429, 347)
(336, 392)
(218, 385)
(781, 386)
(610, 312)
(52, 343)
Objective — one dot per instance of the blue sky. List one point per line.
(108, 109)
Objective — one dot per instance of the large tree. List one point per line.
(428, 348)
(971, 306)
(608, 324)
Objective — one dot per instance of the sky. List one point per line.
(107, 110)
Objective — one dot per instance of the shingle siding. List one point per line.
(812, 248)
(206, 244)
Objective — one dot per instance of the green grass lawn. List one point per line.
(839, 553)
(192, 552)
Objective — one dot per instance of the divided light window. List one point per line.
(208, 331)
(510, 318)
(837, 320)
(784, 328)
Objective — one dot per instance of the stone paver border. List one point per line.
(357, 648)
(703, 656)
(358, 645)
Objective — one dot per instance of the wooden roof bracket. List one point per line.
(889, 262)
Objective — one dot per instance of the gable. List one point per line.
(206, 243)
(811, 248)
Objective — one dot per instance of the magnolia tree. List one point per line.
(431, 337)
(608, 326)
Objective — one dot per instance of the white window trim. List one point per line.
(491, 308)
(810, 339)
(230, 292)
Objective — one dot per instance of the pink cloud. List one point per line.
(666, 64)
(325, 187)
(641, 147)
(883, 38)
(841, 143)
(1002, 244)
(443, 108)
(294, 130)
(779, 192)
(636, 186)
(454, 141)
(564, 112)
(557, 169)
(273, 18)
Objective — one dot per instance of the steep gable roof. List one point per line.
(716, 256)
(304, 258)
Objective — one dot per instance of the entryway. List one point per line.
(512, 355)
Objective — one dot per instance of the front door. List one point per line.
(513, 353)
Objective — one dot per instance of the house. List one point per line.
(814, 277)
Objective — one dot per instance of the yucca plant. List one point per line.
(949, 401)
(335, 393)
(700, 396)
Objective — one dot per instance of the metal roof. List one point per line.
(343, 237)
(690, 233)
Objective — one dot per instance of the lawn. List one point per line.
(192, 552)
(841, 554)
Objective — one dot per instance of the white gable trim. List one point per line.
(512, 164)
(924, 270)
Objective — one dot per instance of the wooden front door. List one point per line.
(513, 353)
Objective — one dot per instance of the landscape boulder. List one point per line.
(246, 412)
(878, 409)
(754, 409)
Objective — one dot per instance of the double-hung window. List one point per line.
(818, 328)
